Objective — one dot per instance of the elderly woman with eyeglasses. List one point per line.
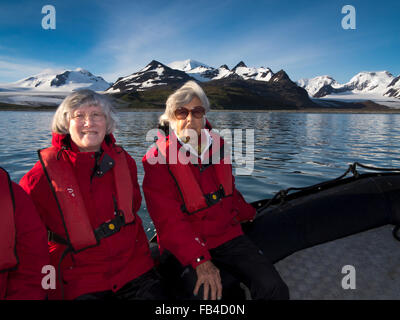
(192, 199)
(85, 188)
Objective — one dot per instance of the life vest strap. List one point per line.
(210, 199)
(110, 227)
(215, 197)
(192, 196)
(65, 188)
(105, 230)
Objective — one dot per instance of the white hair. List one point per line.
(181, 97)
(79, 99)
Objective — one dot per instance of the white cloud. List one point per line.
(12, 69)
(135, 37)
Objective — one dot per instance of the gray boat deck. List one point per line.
(316, 273)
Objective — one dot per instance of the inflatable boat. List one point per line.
(312, 233)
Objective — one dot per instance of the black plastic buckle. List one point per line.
(215, 197)
(110, 227)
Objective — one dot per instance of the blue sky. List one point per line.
(116, 38)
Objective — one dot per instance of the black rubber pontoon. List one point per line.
(326, 211)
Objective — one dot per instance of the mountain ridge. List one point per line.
(249, 87)
(380, 83)
(62, 80)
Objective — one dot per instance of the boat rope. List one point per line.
(374, 168)
(282, 194)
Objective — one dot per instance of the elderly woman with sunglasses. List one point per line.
(85, 189)
(192, 199)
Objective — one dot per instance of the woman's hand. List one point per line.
(208, 276)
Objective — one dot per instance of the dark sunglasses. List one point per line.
(182, 113)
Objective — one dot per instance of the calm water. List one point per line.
(291, 149)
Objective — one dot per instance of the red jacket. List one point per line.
(24, 282)
(118, 258)
(189, 237)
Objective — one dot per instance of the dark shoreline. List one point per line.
(310, 110)
(367, 109)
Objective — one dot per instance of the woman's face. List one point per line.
(87, 128)
(191, 122)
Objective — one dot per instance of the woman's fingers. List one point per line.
(205, 290)
(208, 276)
(212, 288)
(219, 288)
(197, 287)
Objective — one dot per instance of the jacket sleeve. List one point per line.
(32, 251)
(137, 196)
(245, 210)
(173, 227)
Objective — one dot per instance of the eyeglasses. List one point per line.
(95, 117)
(182, 113)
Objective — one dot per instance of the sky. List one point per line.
(117, 38)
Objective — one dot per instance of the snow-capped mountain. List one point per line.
(379, 83)
(62, 80)
(49, 87)
(187, 65)
(152, 75)
(260, 74)
(198, 70)
(150, 86)
(394, 88)
(202, 72)
(315, 84)
(376, 82)
(239, 86)
(177, 72)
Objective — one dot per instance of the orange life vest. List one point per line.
(8, 257)
(193, 197)
(65, 188)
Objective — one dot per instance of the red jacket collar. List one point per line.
(64, 141)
